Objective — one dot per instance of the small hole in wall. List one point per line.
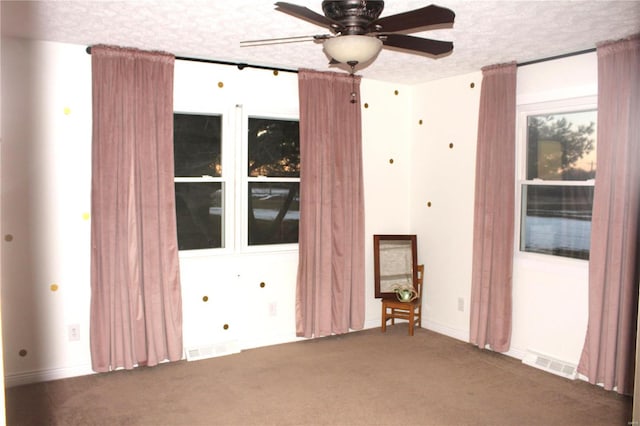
(220, 84)
(366, 105)
(23, 352)
(205, 298)
(451, 145)
(428, 203)
(8, 237)
(390, 160)
(54, 287)
(472, 85)
(275, 72)
(226, 326)
(420, 122)
(262, 284)
(395, 93)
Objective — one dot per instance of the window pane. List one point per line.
(557, 220)
(199, 213)
(196, 145)
(274, 148)
(561, 146)
(274, 212)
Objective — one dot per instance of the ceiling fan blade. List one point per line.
(417, 44)
(303, 13)
(423, 17)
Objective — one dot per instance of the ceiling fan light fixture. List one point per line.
(352, 48)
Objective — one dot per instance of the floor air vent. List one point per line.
(210, 351)
(552, 365)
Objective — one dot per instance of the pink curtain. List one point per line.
(136, 310)
(330, 287)
(492, 267)
(609, 353)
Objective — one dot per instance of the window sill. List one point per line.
(549, 262)
(284, 249)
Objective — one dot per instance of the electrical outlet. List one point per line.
(461, 304)
(73, 332)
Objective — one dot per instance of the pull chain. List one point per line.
(354, 95)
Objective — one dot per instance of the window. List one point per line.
(198, 181)
(268, 185)
(273, 175)
(557, 180)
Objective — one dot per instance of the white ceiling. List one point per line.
(484, 32)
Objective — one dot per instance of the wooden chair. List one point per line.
(393, 309)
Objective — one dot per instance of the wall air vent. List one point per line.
(214, 350)
(551, 365)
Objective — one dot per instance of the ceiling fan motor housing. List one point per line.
(354, 16)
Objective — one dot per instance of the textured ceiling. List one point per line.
(484, 33)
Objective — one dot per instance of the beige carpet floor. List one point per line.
(363, 378)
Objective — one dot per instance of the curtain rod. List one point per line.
(551, 58)
(240, 65)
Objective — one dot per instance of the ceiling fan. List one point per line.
(358, 33)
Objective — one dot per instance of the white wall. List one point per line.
(46, 157)
(387, 164)
(444, 176)
(549, 294)
(46, 176)
(234, 274)
(46, 180)
(2, 393)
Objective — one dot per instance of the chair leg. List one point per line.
(411, 321)
(384, 318)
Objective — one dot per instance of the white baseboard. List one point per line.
(273, 340)
(516, 353)
(446, 330)
(28, 377)
(375, 323)
(25, 378)
(464, 336)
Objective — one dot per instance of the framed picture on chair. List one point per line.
(395, 263)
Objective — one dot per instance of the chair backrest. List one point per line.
(420, 280)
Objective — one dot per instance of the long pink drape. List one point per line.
(136, 308)
(330, 286)
(492, 268)
(614, 264)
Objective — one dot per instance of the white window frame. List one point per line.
(244, 180)
(523, 111)
(234, 152)
(227, 180)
